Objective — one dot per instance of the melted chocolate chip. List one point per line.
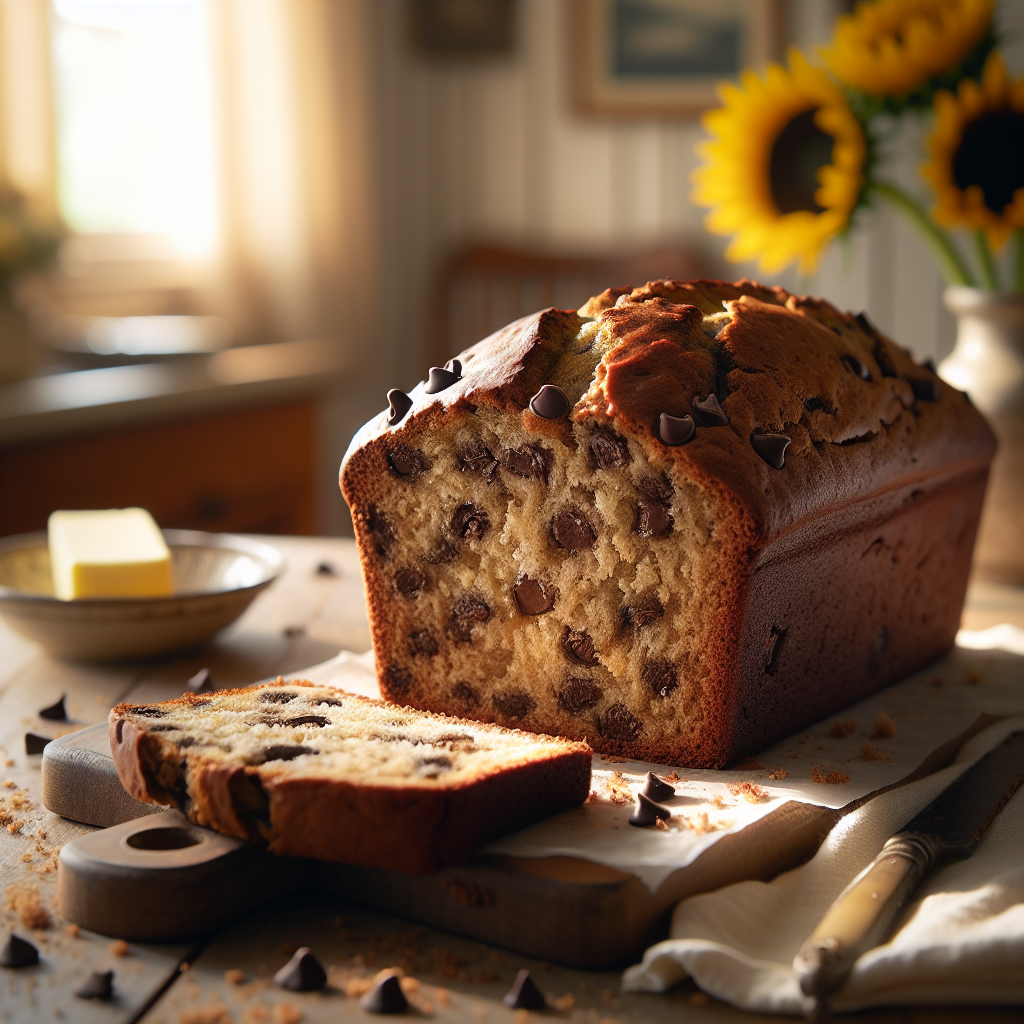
(423, 642)
(466, 613)
(676, 430)
(431, 767)
(657, 487)
(771, 448)
(331, 702)
(469, 521)
(660, 676)
(317, 720)
(530, 461)
(647, 812)
(618, 724)
(455, 366)
(409, 581)
(145, 711)
(535, 597)
(576, 695)
(381, 530)
(924, 389)
(857, 366)
(524, 994)
(708, 412)
(277, 696)
(579, 647)
(572, 530)
(400, 404)
(440, 380)
(636, 616)
(476, 457)
(286, 752)
(303, 973)
(18, 952)
(657, 789)
(652, 519)
(385, 997)
(609, 451)
(55, 712)
(398, 679)
(443, 553)
(513, 703)
(34, 743)
(464, 692)
(408, 461)
(99, 985)
(550, 403)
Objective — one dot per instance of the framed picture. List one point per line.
(662, 58)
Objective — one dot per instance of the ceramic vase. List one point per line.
(988, 363)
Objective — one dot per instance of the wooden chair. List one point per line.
(482, 287)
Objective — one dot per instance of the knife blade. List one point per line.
(948, 829)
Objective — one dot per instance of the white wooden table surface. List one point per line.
(305, 618)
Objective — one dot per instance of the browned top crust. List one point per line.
(862, 416)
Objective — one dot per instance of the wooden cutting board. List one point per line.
(151, 875)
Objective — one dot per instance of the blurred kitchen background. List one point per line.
(265, 213)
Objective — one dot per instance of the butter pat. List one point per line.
(119, 552)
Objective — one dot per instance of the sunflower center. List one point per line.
(799, 151)
(991, 156)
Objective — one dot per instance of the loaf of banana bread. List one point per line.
(680, 523)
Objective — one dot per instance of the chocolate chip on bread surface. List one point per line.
(313, 771)
(751, 510)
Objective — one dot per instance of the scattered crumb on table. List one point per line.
(885, 727)
(824, 775)
(872, 753)
(842, 729)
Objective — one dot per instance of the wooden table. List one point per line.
(306, 618)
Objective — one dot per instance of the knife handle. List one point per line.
(864, 912)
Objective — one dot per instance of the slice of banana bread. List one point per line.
(311, 771)
(681, 523)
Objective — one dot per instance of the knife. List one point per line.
(947, 829)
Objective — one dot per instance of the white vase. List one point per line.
(988, 363)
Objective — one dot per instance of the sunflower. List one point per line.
(977, 154)
(783, 170)
(891, 47)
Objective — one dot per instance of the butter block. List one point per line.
(117, 552)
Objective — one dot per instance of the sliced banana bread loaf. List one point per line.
(316, 772)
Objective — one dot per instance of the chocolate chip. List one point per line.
(707, 411)
(200, 681)
(455, 366)
(609, 451)
(99, 985)
(771, 448)
(924, 389)
(400, 404)
(303, 973)
(576, 695)
(398, 679)
(572, 530)
(423, 641)
(317, 720)
(409, 581)
(34, 743)
(55, 712)
(286, 752)
(618, 724)
(469, 521)
(431, 767)
(277, 696)
(657, 789)
(550, 403)
(331, 702)
(294, 631)
(657, 487)
(530, 461)
(18, 952)
(442, 553)
(660, 676)
(476, 457)
(464, 692)
(647, 812)
(466, 613)
(385, 997)
(145, 711)
(440, 380)
(380, 528)
(513, 703)
(535, 597)
(524, 994)
(676, 430)
(857, 366)
(814, 404)
(408, 461)
(652, 519)
(643, 613)
(326, 569)
(579, 647)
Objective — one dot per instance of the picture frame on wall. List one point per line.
(663, 58)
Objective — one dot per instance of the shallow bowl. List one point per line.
(216, 577)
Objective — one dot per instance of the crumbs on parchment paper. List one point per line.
(885, 727)
(973, 678)
(825, 775)
(841, 729)
(750, 791)
(873, 753)
(777, 774)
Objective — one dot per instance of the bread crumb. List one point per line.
(823, 775)
(672, 777)
(26, 858)
(216, 1014)
(619, 791)
(119, 948)
(9, 784)
(72, 931)
(25, 902)
(750, 791)
(777, 774)
(885, 727)
(698, 999)
(660, 825)
(750, 765)
(522, 1016)
(717, 801)
(842, 729)
(234, 976)
(356, 987)
(443, 997)
(15, 827)
(564, 1003)
(875, 754)
(286, 1013)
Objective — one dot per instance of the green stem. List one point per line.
(989, 274)
(1018, 268)
(951, 263)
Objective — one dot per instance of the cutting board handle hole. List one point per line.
(163, 839)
